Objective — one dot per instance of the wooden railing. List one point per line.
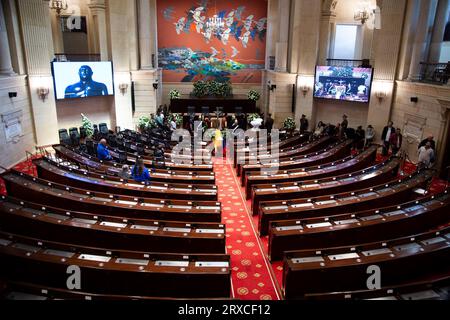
(347, 63)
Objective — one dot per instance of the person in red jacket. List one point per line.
(396, 141)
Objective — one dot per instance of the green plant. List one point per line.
(174, 94)
(200, 89)
(289, 123)
(143, 122)
(253, 95)
(87, 125)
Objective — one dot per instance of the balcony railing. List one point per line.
(437, 73)
(347, 62)
(62, 57)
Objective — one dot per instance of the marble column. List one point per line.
(98, 11)
(5, 54)
(420, 42)
(440, 21)
(327, 27)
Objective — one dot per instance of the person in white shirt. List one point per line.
(426, 155)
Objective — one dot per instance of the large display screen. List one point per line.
(83, 79)
(343, 83)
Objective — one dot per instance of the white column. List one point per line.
(97, 8)
(145, 30)
(442, 15)
(58, 42)
(281, 48)
(420, 42)
(5, 54)
(327, 27)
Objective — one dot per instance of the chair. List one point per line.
(205, 111)
(83, 134)
(239, 110)
(90, 148)
(191, 110)
(123, 158)
(74, 136)
(103, 128)
(64, 137)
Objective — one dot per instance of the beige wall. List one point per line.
(428, 113)
(97, 109)
(329, 111)
(12, 153)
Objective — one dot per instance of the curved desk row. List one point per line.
(87, 229)
(396, 192)
(359, 227)
(115, 272)
(345, 269)
(44, 192)
(158, 190)
(371, 176)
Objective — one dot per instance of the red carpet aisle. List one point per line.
(26, 166)
(252, 277)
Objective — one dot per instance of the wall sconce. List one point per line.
(156, 84)
(381, 95)
(304, 90)
(271, 86)
(123, 87)
(43, 93)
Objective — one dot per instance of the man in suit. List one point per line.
(269, 123)
(386, 137)
(304, 124)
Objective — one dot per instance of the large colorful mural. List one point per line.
(212, 40)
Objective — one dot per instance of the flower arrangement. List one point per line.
(212, 88)
(87, 125)
(253, 116)
(289, 124)
(174, 94)
(175, 117)
(253, 95)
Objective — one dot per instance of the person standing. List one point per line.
(269, 123)
(343, 126)
(359, 138)
(426, 156)
(396, 141)
(304, 124)
(370, 135)
(386, 137)
(429, 139)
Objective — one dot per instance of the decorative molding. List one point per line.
(413, 128)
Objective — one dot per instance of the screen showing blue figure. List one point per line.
(82, 79)
(343, 83)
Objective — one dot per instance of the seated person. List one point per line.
(102, 151)
(125, 173)
(139, 172)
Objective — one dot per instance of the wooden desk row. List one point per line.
(95, 229)
(157, 190)
(40, 191)
(332, 169)
(371, 176)
(115, 272)
(345, 269)
(378, 224)
(334, 152)
(256, 157)
(396, 192)
(163, 175)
